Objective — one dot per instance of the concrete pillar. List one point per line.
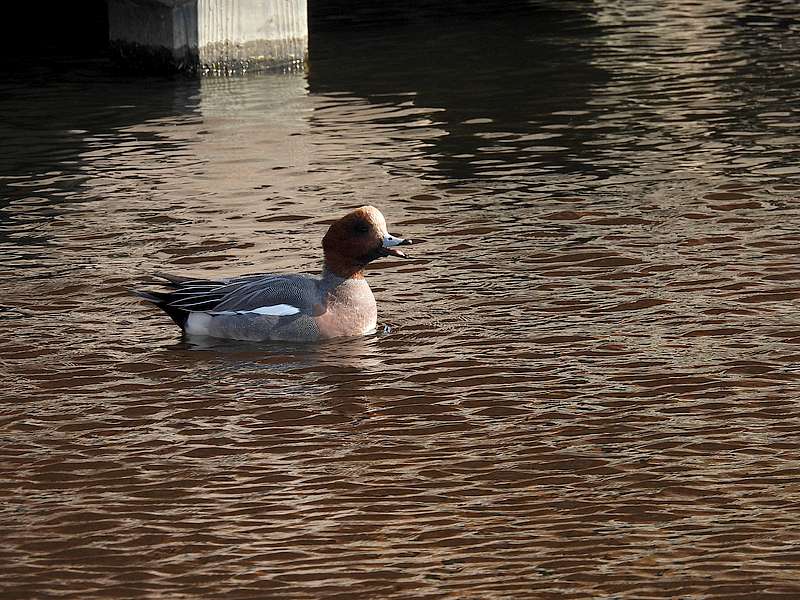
(154, 35)
(239, 36)
(210, 36)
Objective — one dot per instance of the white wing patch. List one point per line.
(276, 310)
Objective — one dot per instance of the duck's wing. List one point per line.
(260, 294)
(276, 294)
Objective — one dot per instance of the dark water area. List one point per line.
(586, 382)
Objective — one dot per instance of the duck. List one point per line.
(289, 307)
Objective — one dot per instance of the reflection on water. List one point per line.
(589, 384)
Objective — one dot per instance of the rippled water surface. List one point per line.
(587, 386)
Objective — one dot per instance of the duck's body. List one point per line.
(297, 308)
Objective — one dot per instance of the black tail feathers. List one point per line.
(161, 300)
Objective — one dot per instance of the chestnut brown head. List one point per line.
(357, 239)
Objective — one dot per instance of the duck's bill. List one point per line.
(389, 246)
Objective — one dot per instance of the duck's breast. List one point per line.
(349, 310)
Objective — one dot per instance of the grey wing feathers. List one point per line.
(242, 293)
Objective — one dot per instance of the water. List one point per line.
(587, 385)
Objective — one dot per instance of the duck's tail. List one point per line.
(162, 301)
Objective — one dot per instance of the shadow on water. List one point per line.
(59, 132)
(494, 86)
(53, 117)
(591, 90)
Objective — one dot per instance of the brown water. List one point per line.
(586, 385)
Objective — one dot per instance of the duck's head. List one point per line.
(357, 239)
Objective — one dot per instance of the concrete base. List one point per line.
(240, 36)
(154, 35)
(216, 37)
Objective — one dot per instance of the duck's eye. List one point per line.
(361, 228)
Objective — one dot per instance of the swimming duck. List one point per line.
(299, 308)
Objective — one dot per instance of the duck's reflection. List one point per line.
(339, 372)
